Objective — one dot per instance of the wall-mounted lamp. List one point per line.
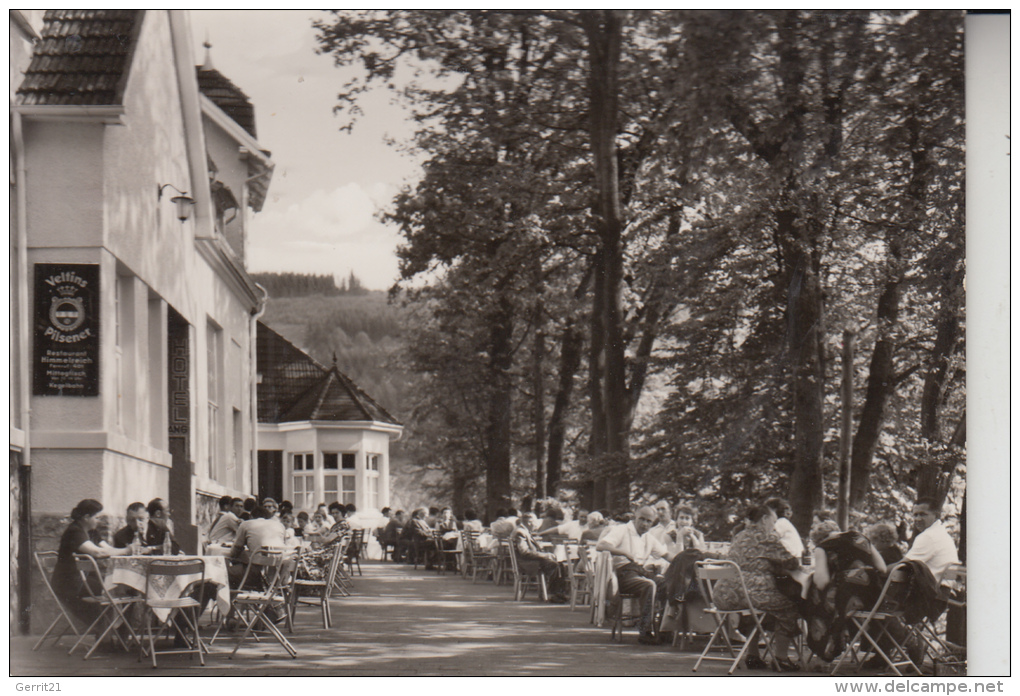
(184, 202)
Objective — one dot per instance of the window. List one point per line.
(304, 481)
(330, 490)
(372, 479)
(329, 460)
(349, 488)
(349, 458)
(214, 352)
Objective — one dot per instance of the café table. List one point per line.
(130, 571)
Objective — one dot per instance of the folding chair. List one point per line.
(342, 581)
(251, 605)
(113, 607)
(315, 592)
(163, 573)
(354, 551)
(446, 555)
(708, 574)
(951, 658)
(878, 619)
(581, 575)
(527, 574)
(47, 560)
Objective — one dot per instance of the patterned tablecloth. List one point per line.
(130, 572)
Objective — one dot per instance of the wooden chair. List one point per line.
(477, 560)
(112, 607)
(161, 573)
(708, 574)
(47, 561)
(503, 566)
(444, 554)
(526, 574)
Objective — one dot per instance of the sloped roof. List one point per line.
(83, 58)
(296, 387)
(228, 96)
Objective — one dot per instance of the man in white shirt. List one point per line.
(224, 529)
(932, 544)
(638, 558)
(572, 528)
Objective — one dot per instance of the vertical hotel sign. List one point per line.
(66, 357)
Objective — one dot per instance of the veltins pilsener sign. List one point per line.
(66, 357)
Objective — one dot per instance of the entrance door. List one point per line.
(270, 475)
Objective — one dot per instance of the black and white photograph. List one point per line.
(520, 342)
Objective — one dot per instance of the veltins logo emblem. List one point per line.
(67, 313)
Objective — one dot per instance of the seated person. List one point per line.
(552, 516)
(932, 544)
(261, 531)
(760, 554)
(300, 523)
(572, 529)
(597, 527)
(884, 538)
(664, 523)
(271, 505)
(224, 529)
(847, 577)
(81, 537)
(471, 522)
(288, 522)
(137, 524)
(506, 522)
(416, 545)
(161, 527)
(638, 562)
(684, 535)
(788, 535)
(528, 551)
(390, 534)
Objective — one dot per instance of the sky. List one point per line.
(320, 214)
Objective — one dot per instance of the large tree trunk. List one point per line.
(804, 313)
(880, 386)
(538, 414)
(570, 362)
(947, 334)
(604, 30)
(497, 433)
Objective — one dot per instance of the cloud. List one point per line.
(327, 232)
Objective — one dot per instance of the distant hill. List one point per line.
(363, 332)
(306, 284)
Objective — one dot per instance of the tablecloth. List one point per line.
(130, 572)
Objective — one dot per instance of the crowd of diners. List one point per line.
(241, 527)
(794, 581)
(649, 547)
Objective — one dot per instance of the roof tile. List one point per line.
(82, 57)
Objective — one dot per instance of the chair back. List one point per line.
(273, 564)
(711, 572)
(87, 566)
(954, 585)
(47, 561)
(512, 552)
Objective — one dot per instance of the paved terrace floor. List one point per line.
(402, 622)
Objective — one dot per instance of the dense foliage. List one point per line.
(641, 236)
(304, 284)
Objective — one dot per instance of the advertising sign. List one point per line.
(65, 361)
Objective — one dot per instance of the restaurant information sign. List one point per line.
(66, 357)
